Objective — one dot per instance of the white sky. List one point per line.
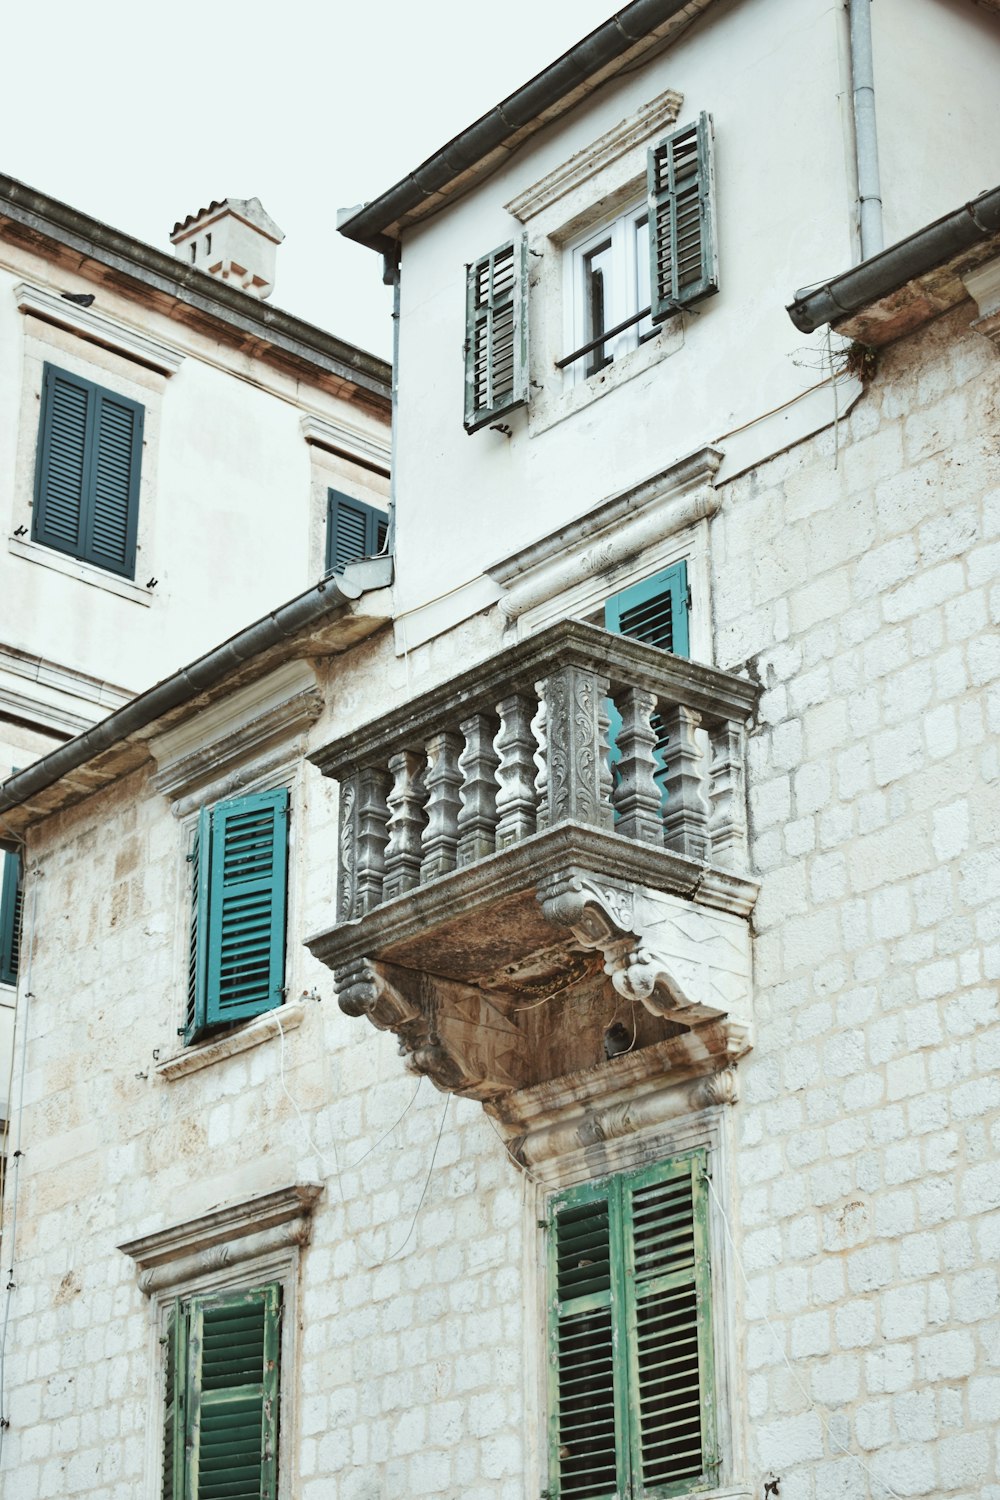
(140, 114)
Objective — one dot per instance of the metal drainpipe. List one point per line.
(865, 138)
(390, 273)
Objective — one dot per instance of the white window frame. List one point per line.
(629, 291)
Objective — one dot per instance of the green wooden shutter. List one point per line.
(200, 859)
(668, 1326)
(11, 902)
(87, 472)
(246, 906)
(496, 334)
(233, 1376)
(587, 1454)
(175, 1405)
(113, 512)
(655, 611)
(631, 1388)
(353, 530)
(682, 241)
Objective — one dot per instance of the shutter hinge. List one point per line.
(689, 601)
(189, 858)
(544, 1223)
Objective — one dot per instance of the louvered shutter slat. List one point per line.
(585, 1401)
(668, 1296)
(683, 242)
(247, 907)
(353, 530)
(195, 1016)
(61, 463)
(496, 359)
(114, 509)
(234, 1376)
(175, 1409)
(11, 908)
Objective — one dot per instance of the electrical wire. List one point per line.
(824, 1423)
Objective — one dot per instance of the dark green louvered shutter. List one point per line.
(496, 334)
(11, 901)
(87, 472)
(668, 1326)
(200, 858)
(246, 906)
(631, 1390)
(353, 530)
(682, 241)
(175, 1403)
(655, 611)
(232, 1419)
(587, 1417)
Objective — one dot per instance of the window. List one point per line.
(87, 472)
(236, 958)
(10, 918)
(610, 287)
(353, 530)
(220, 1426)
(628, 276)
(632, 1395)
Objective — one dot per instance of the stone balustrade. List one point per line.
(523, 742)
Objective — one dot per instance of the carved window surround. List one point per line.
(244, 737)
(98, 328)
(569, 571)
(348, 442)
(256, 1229)
(503, 900)
(273, 1023)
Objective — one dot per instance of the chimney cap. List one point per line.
(250, 210)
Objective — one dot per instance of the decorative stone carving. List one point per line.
(578, 784)
(716, 1088)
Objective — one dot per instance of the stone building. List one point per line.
(176, 456)
(645, 800)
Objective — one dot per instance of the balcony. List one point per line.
(527, 894)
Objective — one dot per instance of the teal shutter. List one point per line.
(175, 1405)
(682, 241)
(353, 530)
(654, 611)
(632, 1403)
(232, 1379)
(246, 907)
(496, 334)
(200, 858)
(87, 472)
(11, 901)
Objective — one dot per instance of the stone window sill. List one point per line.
(260, 1029)
(61, 562)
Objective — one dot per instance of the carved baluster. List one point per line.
(727, 824)
(685, 822)
(577, 729)
(372, 836)
(515, 745)
(637, 796)
(347, 861)
(406, 823)
(539, 726)
(478, 762)
(443, 779)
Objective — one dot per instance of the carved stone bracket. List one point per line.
(448, 1031)
(679, 962)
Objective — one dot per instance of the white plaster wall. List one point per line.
(230, 505)
(937, 102)
(770, 73)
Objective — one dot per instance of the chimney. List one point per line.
(234, 240)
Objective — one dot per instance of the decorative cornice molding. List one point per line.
(262, 1028)
(98, 328)
(348, 442)
(211, 745)
(637, 128)
(610, 533)
(983, 286)
(226, 1236)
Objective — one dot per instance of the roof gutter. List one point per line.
(892, 268)
(47, 217)
(306, 611)
(369, 224)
